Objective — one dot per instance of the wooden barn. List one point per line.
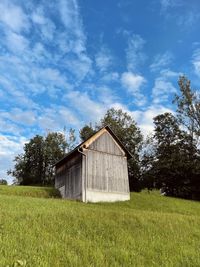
(96, 170)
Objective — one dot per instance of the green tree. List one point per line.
(188, 107)
(3, 182)
(86, 132)
(35, 165)
(54, 149)
(28, 168)
(147, 161)
(174, 167)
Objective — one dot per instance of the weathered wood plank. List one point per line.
(107, 172)
(106, 143)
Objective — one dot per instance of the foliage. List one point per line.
(86, 132)
(126, 129)
(175, 165)
(35, 165)
(188, 106)
(174, 162)
(149, 230)
(3, 182)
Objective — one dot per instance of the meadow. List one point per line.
(38, 229)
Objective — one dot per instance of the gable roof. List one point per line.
(91, 139)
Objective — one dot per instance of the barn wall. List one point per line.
(106, 177)
(107, 172)
(68, 178)
(106, 143)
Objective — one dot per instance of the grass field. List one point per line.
(149, 230)
(27, 191)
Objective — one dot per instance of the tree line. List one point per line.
(169, 159)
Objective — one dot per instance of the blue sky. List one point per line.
(65, 62)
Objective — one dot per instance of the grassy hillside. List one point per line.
(29, 191)
(149, 230)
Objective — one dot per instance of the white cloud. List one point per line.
(166, 4)
(134, 52)
(145, 117)
(16, 42)
(161, 61)
(41, 62)
(105, 95)
(10, 146)
(38, 16)
(110, 76)
(162, 90)
(167, 73)
(13, 16)
(133, 83)
(103, 59)
(9, 127)
(56, 117)
(25, 117)
(196, 61)
(189, 19)
(89, 109)
(80, 66)
(69, 11)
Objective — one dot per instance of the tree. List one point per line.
(3, 182)
(188, 107)
(54, 149)
(125, 128)
(28, 168)
(86, 132)
(174, 167)
(147, 161)
(35, 165)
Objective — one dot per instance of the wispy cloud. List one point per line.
(13, 16)
(184, 13)
(161, 61)
(103, 59)
(41, 59)
(196, 61)
(84, 104)
(10, 146)
(133, 83)
(164, 88)
(145, 117)
(134, 52)
(188, 19)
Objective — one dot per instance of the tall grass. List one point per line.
(149, 230)
(29, 191)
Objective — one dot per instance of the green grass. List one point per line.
(149, 230)
(29, 191)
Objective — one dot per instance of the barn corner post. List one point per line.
(84, 175)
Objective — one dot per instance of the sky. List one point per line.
(65, 62)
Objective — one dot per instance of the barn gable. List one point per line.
(106, 143)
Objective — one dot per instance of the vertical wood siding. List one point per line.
(107, 172)
(106, 143)
(68, 178)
